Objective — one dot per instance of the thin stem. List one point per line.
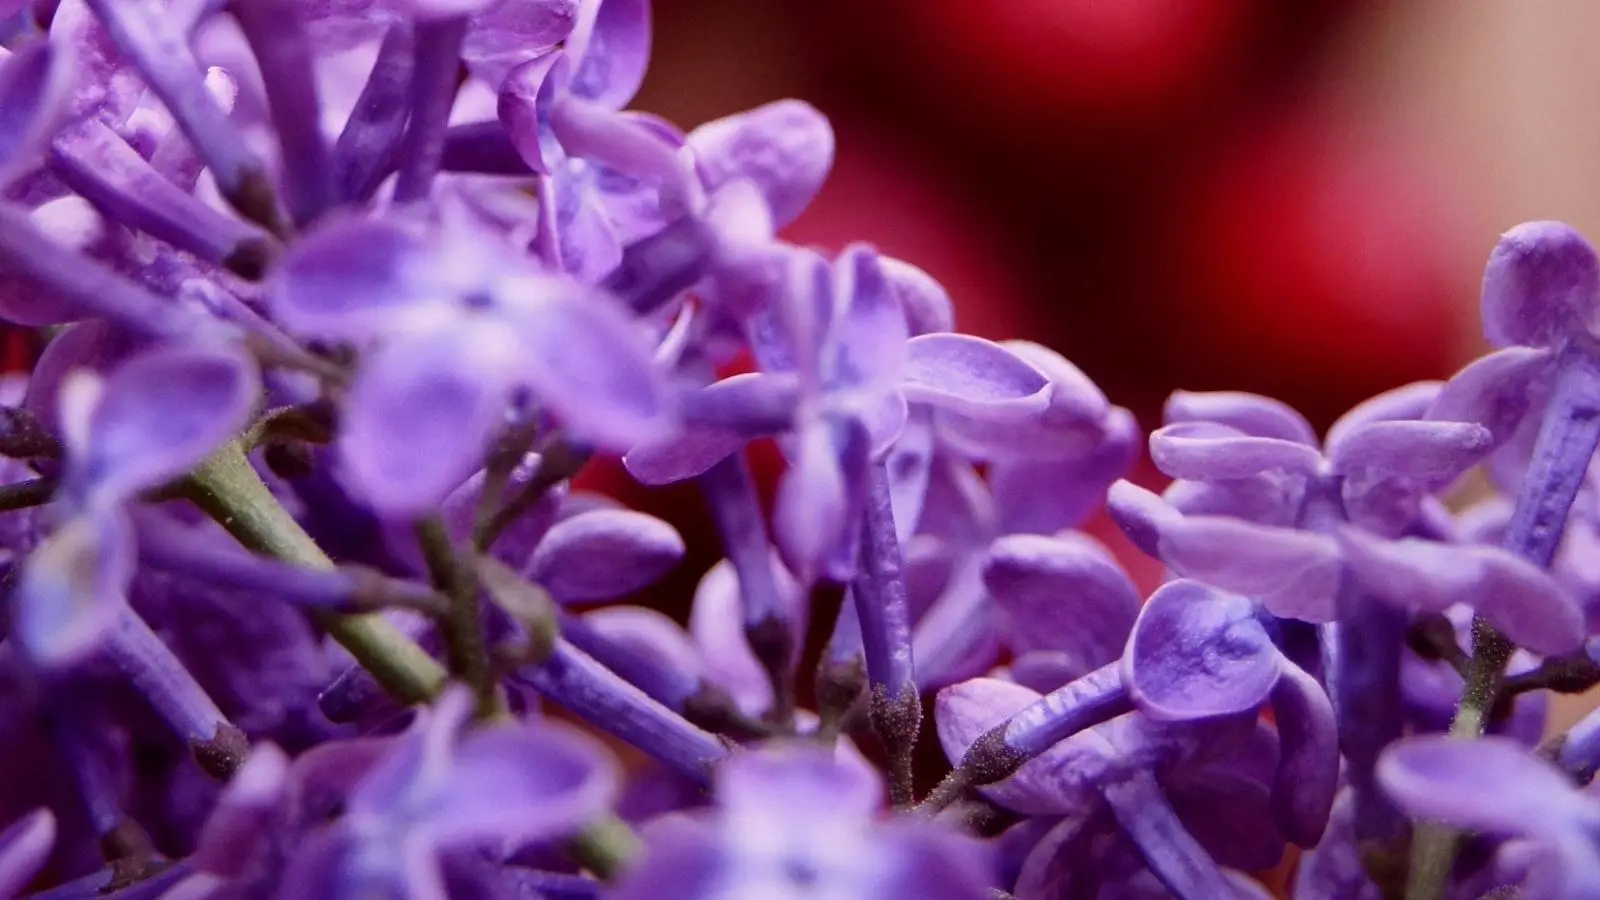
(1561, 674)
(462, 624)
(230, 491)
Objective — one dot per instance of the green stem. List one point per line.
(1433, 847)
(230, 491)
(462, 624)
(605, 847)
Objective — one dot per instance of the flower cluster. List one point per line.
(300, 601)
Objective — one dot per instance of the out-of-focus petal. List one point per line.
(156, 416)
(611, 50)
(1410, 401)
(785, 148)
(1490, 784)
(72, 590)
(867, 347)
(1432, 453)
(603, 554)
(524, 783)
(511, 32)
(1540, 287)
(812, 503)
(24, 847)
(924, 301)
(349, 277)
(418, 419)
(683, 456)
(36, 86)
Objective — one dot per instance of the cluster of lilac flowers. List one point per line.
(339, 295)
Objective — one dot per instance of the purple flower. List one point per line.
(438, 788)
(24, 846)
(1494, 785)
(454, 326)
(792, 822)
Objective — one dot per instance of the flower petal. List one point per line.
(158, 415)
(1292, 573)
(1204, 451)
(716, 622)
(1540, 287)
(611, 49)
(1431, 453)
(1493, 390)
(72, 590)
(1307, 776)
(1197, 653)
(419, 416)
(36, 85)
(523, 783)
(511, 32)
(1046, 496)
(1250, 414)
(1410, 401)
(974, 377)
(24, 847)
(866, 350)
(1520, 599)
(680, 457)
(604, 554)
(526, 94)
(785, 148)
(923, 300)
(592, 367)
(1063, 593)
(1490, 784)
(813, 503)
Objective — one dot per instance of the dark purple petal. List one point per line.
(929, 861)
(603, 554)
(1174, 856)
(418, 419)
(1250, 414)
(785, 148)
(1490, 784)
(974, 377)
(527, 94)
(36, 86)
(610, 47)
(24, 847)
(683, 859)
(1432, 453)
(1522, 600)
(1230, 814)
(1540, 286)
(1063, 593)
(1197, 653)
(1206, 452)
(1308, 756)
(154, 418)
(1334, 870)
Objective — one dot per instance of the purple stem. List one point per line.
(135, 651)
(482, 148)
(595, 694)
(1566, 443)
(98, 164)
(283, 51)
(159, 47)
(435, 77)
(885, 618)
(731, 494)
(371, 138)
(1173, 855)
(1577, 751)
(657, 268)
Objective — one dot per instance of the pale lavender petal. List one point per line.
(716, 622)
(24, 847)
(1208, 452)
(72, 590)
(909, 464)
(812, 505)
(611, 49)
(649, 634)
(156, 416)
(1074, 399)
(1432, 453)
(592, 366)
(524, 783)
(512, 32)
(1047, 495)
(1063, 593)
(1055, 782)
(680, 457)
(604, 554)
(924, 301)
(785, 148)
(1540, 287)
(418, 419)
(1491, 784)
(527, 93)
(974, 377)
(1266, 499)
(812, 788)
(1410, 401)
(1520, 599)
(1197, 653)
(1250, 414)
(1493, 390)
(867, 349)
